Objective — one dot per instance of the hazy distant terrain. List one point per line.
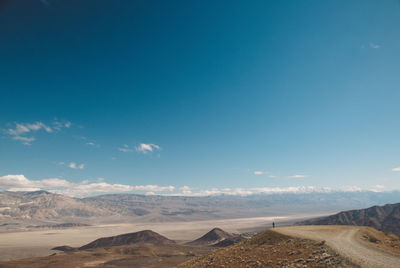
(43, 209)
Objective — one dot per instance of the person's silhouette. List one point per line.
(273, 224)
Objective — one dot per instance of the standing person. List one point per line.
(273, 224)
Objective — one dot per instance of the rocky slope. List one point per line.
(270, 249)
(384, 218)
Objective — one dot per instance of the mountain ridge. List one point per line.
(24, 210)
(383, 218)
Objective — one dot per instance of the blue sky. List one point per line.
(203, 94)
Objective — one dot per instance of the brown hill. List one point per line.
(134, 255)
(146, 236)
(214, 236)
(64, 248)
(384, 218)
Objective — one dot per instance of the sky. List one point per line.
(199, 97)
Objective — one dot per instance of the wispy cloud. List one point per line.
(22, 128)
(125, 148)
(145, 148)
(24, 140)
(72, 165)
(259, 173)
(378, 188)
(263, 190)
(87, 141)
(24, 132)
(141, 148)
(297, 176)
(76, 166)
(185, 190)
(154, 188)
(397, 169)
(57, 125)
(374, 46)
(93, 144)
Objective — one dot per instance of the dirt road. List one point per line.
(346, 240)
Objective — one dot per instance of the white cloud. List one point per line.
(351, 189)
(258, 173)
(23, 189)
(21, 130)
(125, 148)
(265, 190)
(272, 176)
(76, 166)
(154, 188)
(61, 186)
(92, 144)
(145, 148)
(72, 165)
(397, 169)
(298, 189)
(375, 46)
(85, 188)
(297, 176)
(377, 188)
(185, 190)
(142, 148)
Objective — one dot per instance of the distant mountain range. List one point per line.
(384, 218)
(42, 209)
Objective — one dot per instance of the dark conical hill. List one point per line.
(214, 236)
(146, 236)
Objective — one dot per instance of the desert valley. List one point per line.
(53, 230)
(195, 134)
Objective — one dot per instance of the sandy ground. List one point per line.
(16, 245)
(346, 240)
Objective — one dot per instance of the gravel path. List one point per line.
(346, 240)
